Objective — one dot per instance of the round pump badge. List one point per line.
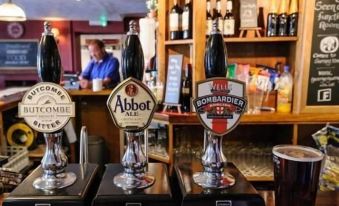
(46, 107)
(131, 105)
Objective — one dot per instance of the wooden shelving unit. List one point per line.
(261, 39)
(179, 42)
(265, 51)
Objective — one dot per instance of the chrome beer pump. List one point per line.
(132, 106)
(219, 104)
(47, 108)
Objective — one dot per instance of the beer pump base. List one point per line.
(130, 181)
(59, 181)
(242, 193)
(214, 181)
(80, 193)
(158, 194)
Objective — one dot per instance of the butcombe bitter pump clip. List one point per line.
(47, 108)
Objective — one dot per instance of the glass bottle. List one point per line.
(282, 19)
(272, 19)
(218, 15)
(229, 21)
(186, 90)
(187, 19)
(209, 18)
(175, 21)
(293, 18)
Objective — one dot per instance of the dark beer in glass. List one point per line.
(296, 175)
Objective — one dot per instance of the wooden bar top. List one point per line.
(89, 92)
(264, 118)
(11, 101)
(323, 198)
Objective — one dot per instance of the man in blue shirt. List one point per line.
(102, 66)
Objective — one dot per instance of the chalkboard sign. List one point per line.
(248, 14)
(173, 84)
(18, 54)
(323, 81)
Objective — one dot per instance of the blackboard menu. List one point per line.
(248, 14)
(323, 83)
(173, 84)
(18, 54)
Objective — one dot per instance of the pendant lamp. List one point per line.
(11, 12)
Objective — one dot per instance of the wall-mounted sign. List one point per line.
(248, 14)
(18, 54)
(323, 81)
(173, 84)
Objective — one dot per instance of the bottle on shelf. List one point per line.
(229, 21)
(175, 21)
(49, 62)
(209, 18)
(282, 18)
(293, 18)
(187, 18)
(186, 89)
(261, 21)
(217, 15)
(284, 87)
(215, 61)
(272, 19)
(132, 55)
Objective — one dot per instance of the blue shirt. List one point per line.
(108, 67)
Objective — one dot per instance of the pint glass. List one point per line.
(296, 175)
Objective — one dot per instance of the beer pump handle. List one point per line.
(83, 146)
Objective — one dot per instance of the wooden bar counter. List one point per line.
(92, 112)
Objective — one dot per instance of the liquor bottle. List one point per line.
(284, 97)
(209, 18)
(49, 63)
(282, 19)
(175, 22)
(229, 21)
(215, 54)
(261, 21)
(132, 55)
(293, 18)
(186, 90)
(272, 19)
(187, 20)
(218, 15)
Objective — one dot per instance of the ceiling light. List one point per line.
(11, 12)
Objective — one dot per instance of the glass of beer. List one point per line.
(296, 174)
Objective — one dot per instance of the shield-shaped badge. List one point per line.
(131, 105)
(220, 103)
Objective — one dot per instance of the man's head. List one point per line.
(97, 49)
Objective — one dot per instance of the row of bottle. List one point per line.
(282, 83)
(285, 21)
(226, 24)
(279, 23)
(180, 21)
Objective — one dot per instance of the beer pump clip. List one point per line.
(219, 104)
(47, 108)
